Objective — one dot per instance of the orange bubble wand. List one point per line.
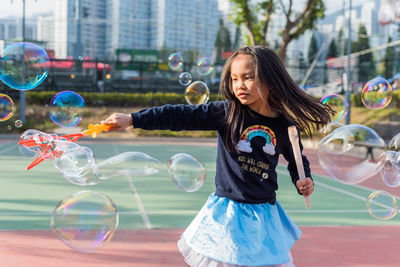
(93, 130)
(294, 140)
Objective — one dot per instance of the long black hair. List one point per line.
(284, 95)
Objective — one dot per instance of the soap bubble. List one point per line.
(128, 163)
(33, 143)
(197, 93)
(330, 127)
(205, 66)
(389, 173)
(23, 66)
(85, 220)
(394, 144)
(185, 78)
(18, 123)
(338, 104)
(186, 172)
(7, 108)
(382, 205)
(175, 62)
(343, 153)
(376, 94)
(76, 163)
(66, 109)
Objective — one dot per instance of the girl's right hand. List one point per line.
(118, 121)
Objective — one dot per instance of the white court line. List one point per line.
(139, 202)
(337, 189)
(8, 149)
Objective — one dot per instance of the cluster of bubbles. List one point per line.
(24, 66)
(196, 92)
(86, 220)
(342, 148)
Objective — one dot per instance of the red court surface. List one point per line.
(355, 246)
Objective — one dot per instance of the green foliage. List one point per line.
(332, 50)
(313, 49)
(117, 99)
(366, 64)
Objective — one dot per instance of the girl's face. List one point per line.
(244, 84)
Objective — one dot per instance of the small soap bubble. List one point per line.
(66, 109)
(18, 123)
(175, 61)
(7, 108)
(338, 104)
(186, 172)
(376, 94)
(185, 78)
(85, 221)
(382, 205)
(205, 66)
(23, 66)
(197, 93)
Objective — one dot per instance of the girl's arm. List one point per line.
(172, 117)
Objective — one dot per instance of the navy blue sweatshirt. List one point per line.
(248, 174)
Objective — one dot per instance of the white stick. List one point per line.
(294, 140)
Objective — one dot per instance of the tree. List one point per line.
(313, 50)
(341, 43)
(257, 18)
(366, 65)
(223, 41)
(236, 41)
(388, 60)
(332, 49)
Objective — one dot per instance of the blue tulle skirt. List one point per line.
(237, 233)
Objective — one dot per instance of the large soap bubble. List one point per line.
(128, 163)
(66, 109)
(23, 66)
(85, 221)
(344, 153)
(187, 172)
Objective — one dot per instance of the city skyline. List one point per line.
(13, 8)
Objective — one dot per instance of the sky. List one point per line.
(14, 7)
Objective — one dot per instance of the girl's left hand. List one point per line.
(305, 187)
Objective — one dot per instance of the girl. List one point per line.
(242, 224)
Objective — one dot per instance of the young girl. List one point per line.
(242, 224)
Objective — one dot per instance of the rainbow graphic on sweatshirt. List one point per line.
(244, 143)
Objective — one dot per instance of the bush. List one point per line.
(116, 99)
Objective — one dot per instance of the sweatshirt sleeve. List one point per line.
(292, 168)
(180, 117)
